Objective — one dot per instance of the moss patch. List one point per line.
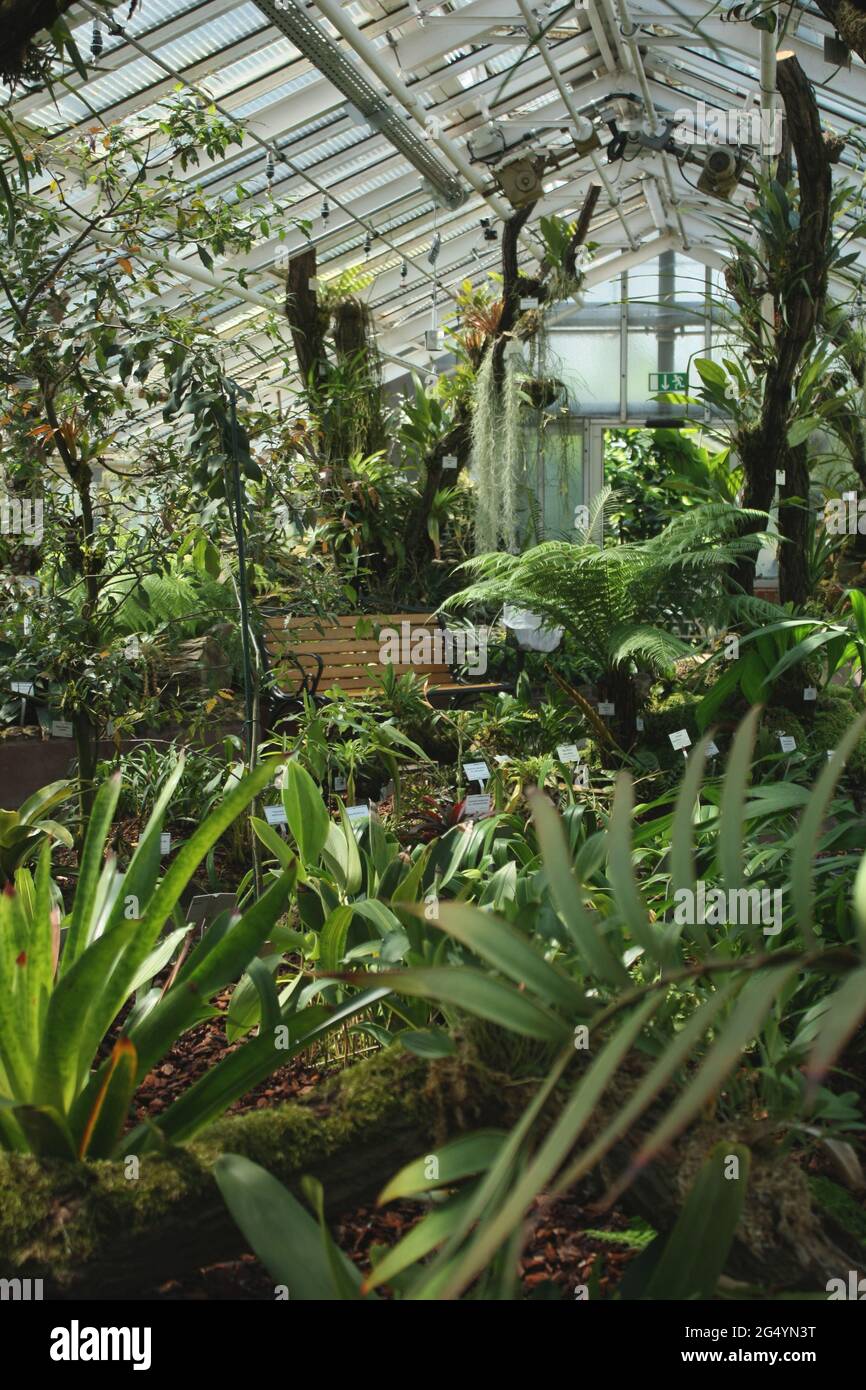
(841, 1206)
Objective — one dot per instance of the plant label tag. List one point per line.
(680, 739)
(276, 815)
(475, 806)
(501, 759)
(788, 744)
(23, 688)
(62, 728)
(810, 693)
(449, 462)
(165, 843)
(527, 304)
(606, 707)
(476, 772)
(340, 784)
(639, 724)
(358, 814)
(712, 750)
(581, 780)
(780, 475)
(568, 753)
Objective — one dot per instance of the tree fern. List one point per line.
(618, 604)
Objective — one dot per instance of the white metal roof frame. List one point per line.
(445, 70)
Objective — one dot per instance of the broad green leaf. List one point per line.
(442, 1167)
(739, 1032)
(80, 922)
(695, 1252)
(845, 1012)
(480, 995)
(428, 1042)
(731, 811)
(281, 1232)
(805, 841)
(111, 1107)
(332, 939)
(72, 1006)
(419, 1241)
(508, 951)
(306, 812)
(596, 956)
(498, 1226)
(631, 907)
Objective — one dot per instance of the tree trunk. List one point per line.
(20, 22)
(794, 585)
(302, 311)
(766, 450)
(96, 1230)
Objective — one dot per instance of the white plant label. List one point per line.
(606, 707)
(680, 739)
(340, 784)
(449, 462)
(358, 813)
(23, 688)
(780, 475)
(276, 815)
(787, 743)
(62, 728)
(810, 693)
(475, 806)
(476, 772)
(712, 750)
(639, 724)
(568, 753)
(501, 759)
(165, 843)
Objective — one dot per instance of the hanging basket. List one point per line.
(542, 391)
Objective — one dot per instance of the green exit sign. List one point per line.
(668, 381)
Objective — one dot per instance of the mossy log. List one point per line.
(93, 1231)
(90, 1231)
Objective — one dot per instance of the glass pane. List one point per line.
(554, 473)
(588, 363)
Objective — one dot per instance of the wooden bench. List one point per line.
(313, 655)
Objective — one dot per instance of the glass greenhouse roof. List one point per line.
(454, 68)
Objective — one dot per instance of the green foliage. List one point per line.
(617, 604)
(66, 979)
(23, 832)
(654, 474)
